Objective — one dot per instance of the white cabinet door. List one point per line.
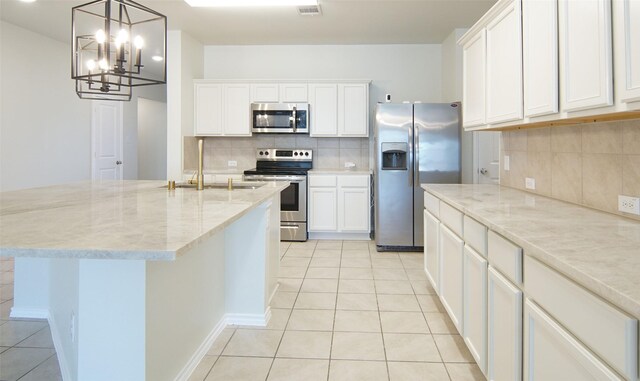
(323, 104)
(474, 81)
(627, 46)
(452, 248)
(540, 56)
(208, 101)
(585, 54)
(504, 66)
(265, 93)
(237, 110)
(353, 110)
(322, 209)
(475, 306)
(432, 250)
(353, 209)
(504, 329)
(293, 93)
(551, 353)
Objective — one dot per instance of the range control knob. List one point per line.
(306, 154)
(295, 154)
(266, 153)
(261, 153)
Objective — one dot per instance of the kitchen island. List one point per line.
(137, 281)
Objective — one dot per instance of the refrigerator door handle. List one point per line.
(416, 162)
(411, 163)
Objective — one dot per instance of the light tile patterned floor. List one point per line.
(343, 312)
(26, 349)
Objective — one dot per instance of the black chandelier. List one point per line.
(117, 45)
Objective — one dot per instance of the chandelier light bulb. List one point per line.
(138, 42)
(91, 64)
(100, 36)
(123, 35)
(103, 64)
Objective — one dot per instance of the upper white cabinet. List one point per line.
(540, 56)
(504, 65)
(473, 82)
(222, 109)
(293, 93)
(586, 75)
(323, 104)
(353, 109)
(626, 14)
(265, 93)
(339, 109)
(209, 105)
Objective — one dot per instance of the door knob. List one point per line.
(483, 171)
(118, 162)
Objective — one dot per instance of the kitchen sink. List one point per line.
(243, 185)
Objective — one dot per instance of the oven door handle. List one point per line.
(293, 227)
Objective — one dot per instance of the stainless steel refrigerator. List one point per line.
(414, 144)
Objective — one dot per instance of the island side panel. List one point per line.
(273, 270)
(111, 320)
(185, 309)
(246, 267)
(31, 288)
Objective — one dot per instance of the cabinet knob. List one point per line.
(118, 162)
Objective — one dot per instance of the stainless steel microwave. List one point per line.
(280, 118)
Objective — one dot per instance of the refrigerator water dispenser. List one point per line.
(394, 156)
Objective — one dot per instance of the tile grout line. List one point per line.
(384, 346)
(335, 309)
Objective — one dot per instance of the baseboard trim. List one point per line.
(260, 320)
(29, 313)
(341, 236)
(57, 344)
(202, 350)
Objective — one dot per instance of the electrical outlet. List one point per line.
(506, 162)
(232, 163)
(629, 204)
(530, 183)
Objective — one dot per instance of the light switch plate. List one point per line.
(530, 183)
(629, 204)
(506, 162)
(232, 163)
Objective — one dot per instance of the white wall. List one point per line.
(452, 92)
(45, 129)
(152, 139)
(184, 64)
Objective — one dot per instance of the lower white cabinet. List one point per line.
(339, 203)
(323, 209)
(504, 329)
(474, 309)
(451, 255)
(432, 250)
(551, 353)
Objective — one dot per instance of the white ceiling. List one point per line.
(341, 22)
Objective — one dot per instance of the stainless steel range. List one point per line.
(287, 165)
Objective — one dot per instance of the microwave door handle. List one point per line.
(295, 119)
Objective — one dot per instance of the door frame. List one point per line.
(94, 140)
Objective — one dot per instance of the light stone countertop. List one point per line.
(119, 219)
(340, 171)
(600, 251)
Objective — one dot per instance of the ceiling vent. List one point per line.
(310, 10)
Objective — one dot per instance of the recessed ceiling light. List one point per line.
(249, 3)
(28, 1)
(157, 58)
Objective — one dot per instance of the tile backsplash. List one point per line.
(588, 164)
(328, 153)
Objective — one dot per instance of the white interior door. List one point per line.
(486, 158)
(152, 140)
(106, 136)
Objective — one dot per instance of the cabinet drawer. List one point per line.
(475, 235)
(361, 181)
(432, 204)
(322, 181)
(451, 217)
(609, 332)
(505, 256)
